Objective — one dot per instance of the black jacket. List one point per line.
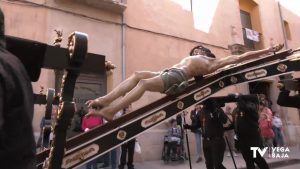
(212, 119)
(17, 145)
(288, 101)
(195, 118)
(246, 119)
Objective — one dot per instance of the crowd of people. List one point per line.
(250, 123)
(111, 159)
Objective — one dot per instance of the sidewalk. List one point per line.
(292, 162)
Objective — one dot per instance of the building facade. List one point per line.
(155, 34)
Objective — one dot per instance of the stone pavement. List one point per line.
(292, 162)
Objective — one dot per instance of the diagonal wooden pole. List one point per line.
(230, 152)
(187, 143)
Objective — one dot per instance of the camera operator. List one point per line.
(212, 119)
(284, 99)
(246, 125)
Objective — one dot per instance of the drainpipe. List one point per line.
(282, 26)
(123, 46)
(284, 109)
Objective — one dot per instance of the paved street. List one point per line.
(228, 163)
(297, 166)
(293, 162)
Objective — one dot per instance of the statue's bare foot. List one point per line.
(107, 113)
(98, 103)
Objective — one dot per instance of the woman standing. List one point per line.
(265, 125)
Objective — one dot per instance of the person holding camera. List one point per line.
(246, 126)
(211, 123)
(284, 98)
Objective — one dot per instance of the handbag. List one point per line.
(137, 147)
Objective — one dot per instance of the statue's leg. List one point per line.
(123, 88)
(154, 84)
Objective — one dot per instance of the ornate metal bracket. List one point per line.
(77, 46)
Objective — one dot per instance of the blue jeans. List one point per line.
(198, 144)
(102, 159)
(113, 158)
(278, 137)
(105, 159)
(92, 164)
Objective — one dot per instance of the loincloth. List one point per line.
(175, 81)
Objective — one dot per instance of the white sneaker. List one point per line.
(228, 154)
(235, 155)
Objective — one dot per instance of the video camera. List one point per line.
(289, 84)
(231, 98)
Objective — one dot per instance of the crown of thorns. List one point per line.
(207, 52)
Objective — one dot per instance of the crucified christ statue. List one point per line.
(169, 81)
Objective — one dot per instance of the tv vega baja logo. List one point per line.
(273, 152)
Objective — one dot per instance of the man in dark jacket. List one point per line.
(284, 98)
(17, 145)
(212, 119)
(245, 120)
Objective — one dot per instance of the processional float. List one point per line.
(98, 141)
(85, 147)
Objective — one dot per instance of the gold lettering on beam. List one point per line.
(79, 156)
(148, 121)
(203, 93)
(256, 74)
(295, 57)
